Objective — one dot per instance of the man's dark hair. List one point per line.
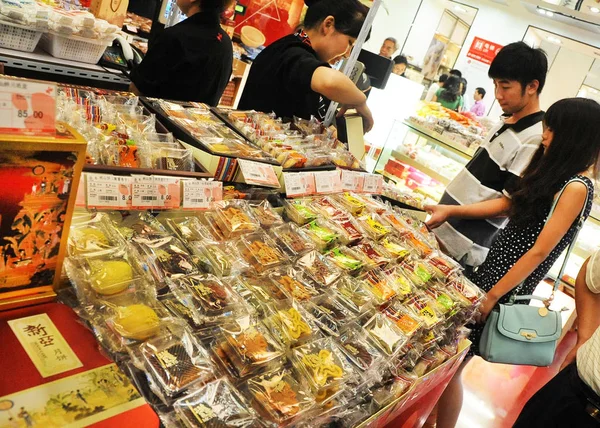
(400, 59)
(481, 92)
(443, 78)
(455, 72)
(521, 63)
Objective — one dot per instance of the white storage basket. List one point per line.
(18, 37)
(75, 48)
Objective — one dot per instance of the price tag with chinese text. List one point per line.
(199, 194)
(27, 107)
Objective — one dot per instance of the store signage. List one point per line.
(328, 182)
(298, 184)
(27, 107)
(106, 191)
(352, 181)
(259, 174)
(373, 184)
(153, 192)
(483, 50)
(200, 194)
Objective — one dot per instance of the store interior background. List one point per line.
(494, 393)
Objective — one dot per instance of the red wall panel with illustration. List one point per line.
(275, 18)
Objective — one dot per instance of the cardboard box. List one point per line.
(114, 11)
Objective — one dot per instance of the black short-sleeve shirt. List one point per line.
(191, 61)
(280, 80)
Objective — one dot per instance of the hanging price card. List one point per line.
(108, 191)
(199, 194)
(299, 184)
(352, 181)
(168, 191)
(144, 192)
(260, 174)
(328, 182)
(27, 107)
(373, 184)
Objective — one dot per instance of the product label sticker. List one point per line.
(168, 192)
(373, 184)
(108, 191)
(144, 192)
(328, 182)
(45, 346)
(298, 184)
(27, 107)
(200, 194)
(260, 174)
(352, 181)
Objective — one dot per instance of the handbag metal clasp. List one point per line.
(528, 335)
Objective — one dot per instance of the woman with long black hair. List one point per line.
(450, 95)
(292, 77)
(527, 248)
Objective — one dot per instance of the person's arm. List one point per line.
(337, 87)
(567, 211)
(487, 209)
(434, 98)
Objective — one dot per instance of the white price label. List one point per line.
(373, 184)
(108, 191)
(168, 191)
(328, 182)
(299, 184)
(144, 192)
(260, 174)
(199, 194)
(27, 107)
(352, 181)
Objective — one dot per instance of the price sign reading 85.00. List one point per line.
(27, 107)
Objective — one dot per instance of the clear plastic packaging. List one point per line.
(396, 248)
(398, 385)
(379, 285)
(319, 269)
(299, 211)
(209, 219)
(181, 306)
(93, 238)
(403, 286)
(246, 350)
(176, 362)
(326, 207)
(221, 260)
(293, 284)
(422, 305)
(359, 299)
(188, 229)
(167, 257)
(140, 225)
(216, 404)
(360, 351)
(375, 255)
(373, 226)
(409, 323)
(467, 289)
(235, 218)
(260, 251)
(330, 312)
(443, 266)
(290, 324)
(291, 240)
(347, 259)
(417, 271)
(385, 334)
(324, 365)
(266, 215)
(264, 290)
(279, 397)
(443, 300)
(349, 230)
(212, 297)
(351, 203)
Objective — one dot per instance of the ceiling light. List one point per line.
(554, 40)
(549, 13)
(594, 10)
(541, 11)
(460, 9)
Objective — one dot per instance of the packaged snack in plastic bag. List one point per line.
(326, 207)
(216, 404)
(291, 240)
(279, 397)
(187, 229)
(324, 365)
(379, 285)
(443, 300)
(443, 266)
(319, 269)
(167, 257)
(422, 305)
(209, 220)
(373, 226)
(349, 230)
(299, 211)
(260, 251)
(467, 289)
(355, 295)
(417, 271)
(248, 349)
(375, 255)
(385, 334)
(293, 284)
(290, 324)
(347, 259)
(220, 259)
(264, 289)
(235, 218)
(399, 385)
(322, 233)
(330, 312)
(93, 238)
(360, 351)
(140, 225)
(403, 286)
(181, 306)
(212, 297)
(266, 215)
(406, 320)
(177, 362)
(396, 248)
(351, 203)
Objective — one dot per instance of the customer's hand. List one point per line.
(364, 111)
(439, 215)
(486, 308)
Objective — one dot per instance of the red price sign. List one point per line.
(27, 108)
(483, 50)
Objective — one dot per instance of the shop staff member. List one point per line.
(400, 64)
(292, 77)
(191, 61)
(389, 46)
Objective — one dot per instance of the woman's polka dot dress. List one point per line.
(512, 243)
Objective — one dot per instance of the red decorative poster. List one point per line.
(483, 50)
(274, 18)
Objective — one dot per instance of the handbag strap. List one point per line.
(578, 226)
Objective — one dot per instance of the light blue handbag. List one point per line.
(523, 334)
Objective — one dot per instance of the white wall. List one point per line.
(494, 22)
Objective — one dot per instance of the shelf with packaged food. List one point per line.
(439, 139)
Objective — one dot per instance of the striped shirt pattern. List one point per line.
(498, 162)
(588, 355)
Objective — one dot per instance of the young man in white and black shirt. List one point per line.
(519, 74)
(572, 398)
